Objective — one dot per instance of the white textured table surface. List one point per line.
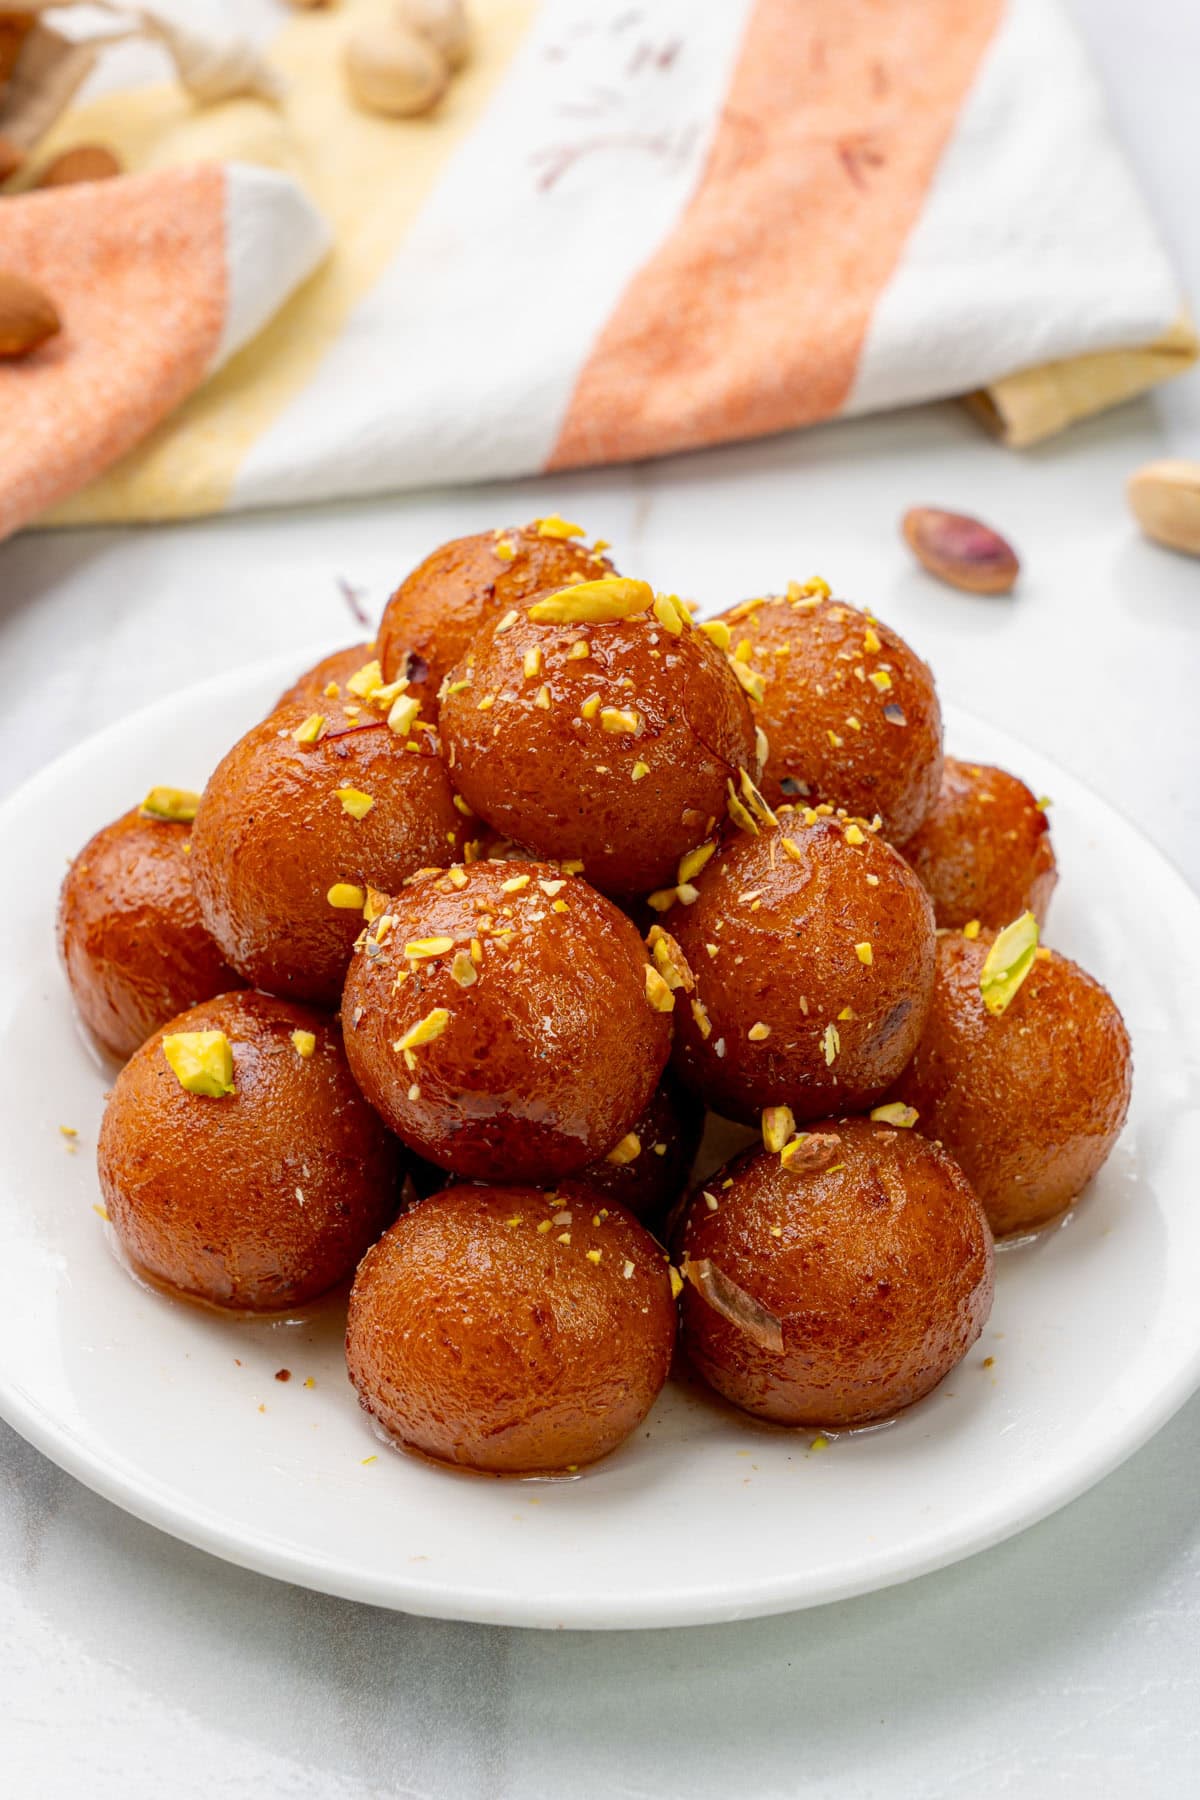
(1066, 1662)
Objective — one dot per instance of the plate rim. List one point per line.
(168, 1510)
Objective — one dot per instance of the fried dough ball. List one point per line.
(130, 933)
(1030, 1102)
(984, 852)
(850, 712)
(478, 1339)
(647, 1169)
(258, 1198)
(506, 1022)
(333, 671)
(436, 611)
(811, 949)
(607, 740)
(837, 1294)
(286, 848)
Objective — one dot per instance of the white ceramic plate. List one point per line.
(176, 1415)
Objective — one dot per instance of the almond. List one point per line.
(1165, 497)
(27, 316)
(960, 550)
(83, 162)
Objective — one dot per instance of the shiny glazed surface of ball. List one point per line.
(263, 1198)
(878, 1268)
(534, 1054)
(618, 757)
(785, 1008)
(984, 851)
(1030, 1103)
(431, 618)
(272, 838)
(857, 726)
(130, 935)
(334, 670)
(477, 1339)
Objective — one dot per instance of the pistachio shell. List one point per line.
(1165, 497)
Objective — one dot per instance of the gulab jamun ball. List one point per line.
(810, 952)
(839, 1287)
(511, 1330)
(1031, 1101)
(648, 1167)
(130, 934)
(436, 611)
(850, 713)
(327, 679)
(984, 851)
(304, 828)
(239, 1163)
(598, 725)
(506, 1020)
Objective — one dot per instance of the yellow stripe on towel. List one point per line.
(189, 464)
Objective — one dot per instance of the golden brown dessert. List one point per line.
(506, 1021)
(129, 928)
(598, 725)
(436, 611)
(851, 714)
(810, 948)
(327, 679)
(984, 851)
(1030, 1102)
(308, 817)
(648, 1167)
(511, 1330)
(840, 1286)
(239, 1163)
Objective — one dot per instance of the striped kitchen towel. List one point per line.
(630, 228)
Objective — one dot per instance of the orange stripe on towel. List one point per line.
(136, 268)
(752, 316)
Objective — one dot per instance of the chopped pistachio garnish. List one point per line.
(304, 1042)
(504, 549)
(506, 623)
(627, 1150)
(403, 715)
(580, 650)
(201, 1062)
(331, 690)
(354, 801)
(346, 896)
(175, 805)
(311, 730)
(462, 969)
(515, 884)
(718, 631)
(896, 1113)
(590, 707)
(700, 1014)
(778, 1126)
(658, 992)
(864, 953)
(662, 898)
(417, 949)
(532, 664)
(749, 679)
(542, 698)
(1008, 962)
(831, 1043)
(694, 860)
(381, 698)
(364, 681)
(667, 615)
(676, 1281)
(738, 813)
(554, 527)
(759, 1032)
(424, 1031)
(879, 678)
(854, 835)
(670, 960)
(871, 641)
(594, 602)
(616, 719)
(639, 771)
(754, 800)
(971, 929)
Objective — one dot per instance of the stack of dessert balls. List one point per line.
(433, 987)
